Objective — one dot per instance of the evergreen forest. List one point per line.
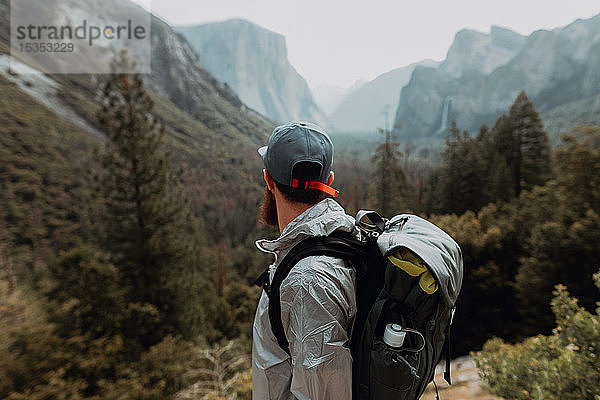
(126, 273)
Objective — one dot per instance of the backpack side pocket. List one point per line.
(393, 372)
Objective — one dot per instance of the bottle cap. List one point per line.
(393, 335)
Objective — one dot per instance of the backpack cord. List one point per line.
(437, 394)
(447, 351)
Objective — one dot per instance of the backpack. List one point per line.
(409, 274)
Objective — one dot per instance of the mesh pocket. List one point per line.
(393, 372)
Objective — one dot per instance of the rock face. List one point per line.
(364, 109)
(178, 75)
(483, 73)
(474, 52)
(253, 62)
(203, 115)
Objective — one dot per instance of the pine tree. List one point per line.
(532, 167)
(462, 177)
(498, 184)
(390, 191)
(505, 143)
(519, 138)
(578, 168)
(564, 229)
(149, 231)
(450, 182)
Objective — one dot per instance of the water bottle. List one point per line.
(394, 335)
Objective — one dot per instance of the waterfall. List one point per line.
(444, 122)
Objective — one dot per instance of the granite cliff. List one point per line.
(253, 62)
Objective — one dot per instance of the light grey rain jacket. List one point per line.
(318, 306)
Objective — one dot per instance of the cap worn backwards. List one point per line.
(297, 142)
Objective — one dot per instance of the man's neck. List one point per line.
(287, 211)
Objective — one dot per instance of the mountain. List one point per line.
(474, 52)
(363, 109)
(253, 62)
(483, 73)
(209, 109)
(178, 76)
(328, 97)
(48, 124)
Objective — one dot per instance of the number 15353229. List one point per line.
(36, 47)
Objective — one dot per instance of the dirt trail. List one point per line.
(465, 383)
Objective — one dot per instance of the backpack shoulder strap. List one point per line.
(339, 245)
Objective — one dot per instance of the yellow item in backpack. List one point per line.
(412, 265)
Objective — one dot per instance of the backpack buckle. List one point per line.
(370, 224)
(263, 282)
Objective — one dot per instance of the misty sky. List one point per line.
(339, 41)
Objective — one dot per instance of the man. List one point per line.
(318, 303)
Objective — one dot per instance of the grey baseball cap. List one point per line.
(297, 142)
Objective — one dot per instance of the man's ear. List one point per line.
(269, 181)
(331, 178)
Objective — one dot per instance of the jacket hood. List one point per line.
(319, 220)
(434, 246)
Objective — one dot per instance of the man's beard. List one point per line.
(268, 210)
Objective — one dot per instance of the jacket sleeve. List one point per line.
(319, 302)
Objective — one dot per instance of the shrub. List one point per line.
(563, 366)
